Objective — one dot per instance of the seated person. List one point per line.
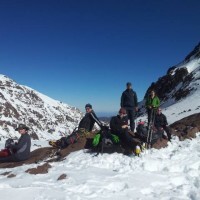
(119, 127)
(161, 122)
(20, 150)
(86, 125)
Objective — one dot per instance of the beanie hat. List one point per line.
(88, 106)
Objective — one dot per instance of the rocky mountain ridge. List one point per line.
(46, 117)
(180, 81)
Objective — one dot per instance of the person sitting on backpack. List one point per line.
(119, 127)
(161, 122)
(20, 150)
(152, 103)
(85, 126)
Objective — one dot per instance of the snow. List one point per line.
(169, 173)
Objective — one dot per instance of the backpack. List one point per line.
(142, 133)
(105, 142)
(9, 142)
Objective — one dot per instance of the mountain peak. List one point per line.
(45, 116)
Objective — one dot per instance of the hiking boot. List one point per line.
(53, 143)
(137, 150)
(165, 137)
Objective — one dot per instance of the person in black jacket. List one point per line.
(89, 119)
(85, 126)
(161, 122)
(119, 127)
(19, 151)
(130, 103)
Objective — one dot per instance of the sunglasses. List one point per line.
(122, 113)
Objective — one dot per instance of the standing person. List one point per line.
(85, 126)
(130, 103)
(119, 127)
(19, 151)
(152, 104)
(161, 122)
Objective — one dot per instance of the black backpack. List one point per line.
(8, 143)
(142, 133)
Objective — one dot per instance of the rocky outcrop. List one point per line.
(180, 81)
(168, 83)
(187, 127)
(42, 169)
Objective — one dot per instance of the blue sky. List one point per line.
(84, 51)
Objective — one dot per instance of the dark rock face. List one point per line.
(169, 82)
(187, 127)
(8, 174)
(62, 176)
(42, 169)
(11, 176)
(176, 84)
(161, 143)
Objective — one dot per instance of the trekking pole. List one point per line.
(136, 120)
(151, 128)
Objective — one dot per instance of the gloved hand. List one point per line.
(96, 140)
(115, 138)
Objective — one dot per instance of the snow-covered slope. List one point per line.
(46, 117)
(180, 87)
(172, 173)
